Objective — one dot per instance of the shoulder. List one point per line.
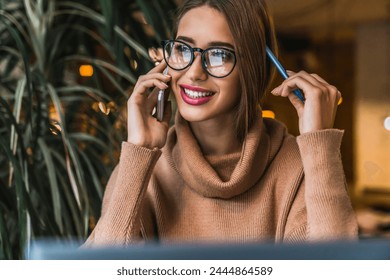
(286, 165)
(284, 143)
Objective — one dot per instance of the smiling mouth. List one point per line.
(197, 94)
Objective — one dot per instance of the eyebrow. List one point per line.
(211, 44)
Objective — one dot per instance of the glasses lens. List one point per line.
(219, 62)
(177, 55)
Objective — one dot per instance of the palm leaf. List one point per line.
(101, 63)
(6, 248)
(14, 34)
(55, 194)
(20, 194)
(68, 198)
(42, 42)
(69, 151)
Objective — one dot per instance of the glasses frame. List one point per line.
(164, 43)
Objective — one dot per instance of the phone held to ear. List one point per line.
(161, 100)
(283, 72)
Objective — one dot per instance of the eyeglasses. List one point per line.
(216, 61)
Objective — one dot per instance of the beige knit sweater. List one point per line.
(279, 188)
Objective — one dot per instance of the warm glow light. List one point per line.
(86, 70)
(55, 128)
(340, 101)
(387, 123)
(268, 114)
(135, 64)
(104, 109)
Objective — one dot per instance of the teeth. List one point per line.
(196, 94)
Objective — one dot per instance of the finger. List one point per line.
(312, 78)
(290, 73)
(319, 78)
(296, 102)
(147, 84)
(157, 69)
(152, 100)
(160, 76)
(298, 82)
(331, 90)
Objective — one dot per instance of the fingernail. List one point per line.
(289, 72)
(275, 90)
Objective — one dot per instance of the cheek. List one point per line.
(233, 87)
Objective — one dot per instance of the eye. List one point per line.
(221, 54)
(220, 57)
(181, 48)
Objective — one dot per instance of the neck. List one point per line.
(216, 138)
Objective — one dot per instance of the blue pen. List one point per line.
(283, 72)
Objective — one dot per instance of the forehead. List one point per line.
(205, 24)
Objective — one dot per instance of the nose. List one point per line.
(196, 72)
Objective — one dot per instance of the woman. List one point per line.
(222, 173)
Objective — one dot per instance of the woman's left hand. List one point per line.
(321, 100)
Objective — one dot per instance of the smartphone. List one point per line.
(283, 72)
(161, 100)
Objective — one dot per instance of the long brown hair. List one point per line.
(252, 27)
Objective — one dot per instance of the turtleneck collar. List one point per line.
(223, 176)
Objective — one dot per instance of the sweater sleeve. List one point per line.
(329, 211)
(119, 223)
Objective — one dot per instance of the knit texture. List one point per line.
(278, 188)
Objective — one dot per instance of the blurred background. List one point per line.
(348, 44)
(67, 67)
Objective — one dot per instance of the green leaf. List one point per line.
(69, 198)
(20, 195)
(6, 249)
(93, 93)
(67, 146)
(106, 7)
(55, 194)
(38, 86)
(80, 10)
(16, 21)
(23, 51)
(95, 179)
(72, 160)
(81, 136)
(101, 63)
(113, 81)
(132, 43)
(20, 89)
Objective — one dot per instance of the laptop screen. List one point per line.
(70, 250)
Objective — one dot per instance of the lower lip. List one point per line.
(194, 101)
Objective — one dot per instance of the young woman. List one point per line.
(222, 173)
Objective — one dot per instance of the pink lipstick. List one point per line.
(195, 95)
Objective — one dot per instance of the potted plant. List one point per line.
(65, 72)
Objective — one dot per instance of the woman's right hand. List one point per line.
(142, 127)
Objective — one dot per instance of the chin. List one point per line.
(193, 116)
